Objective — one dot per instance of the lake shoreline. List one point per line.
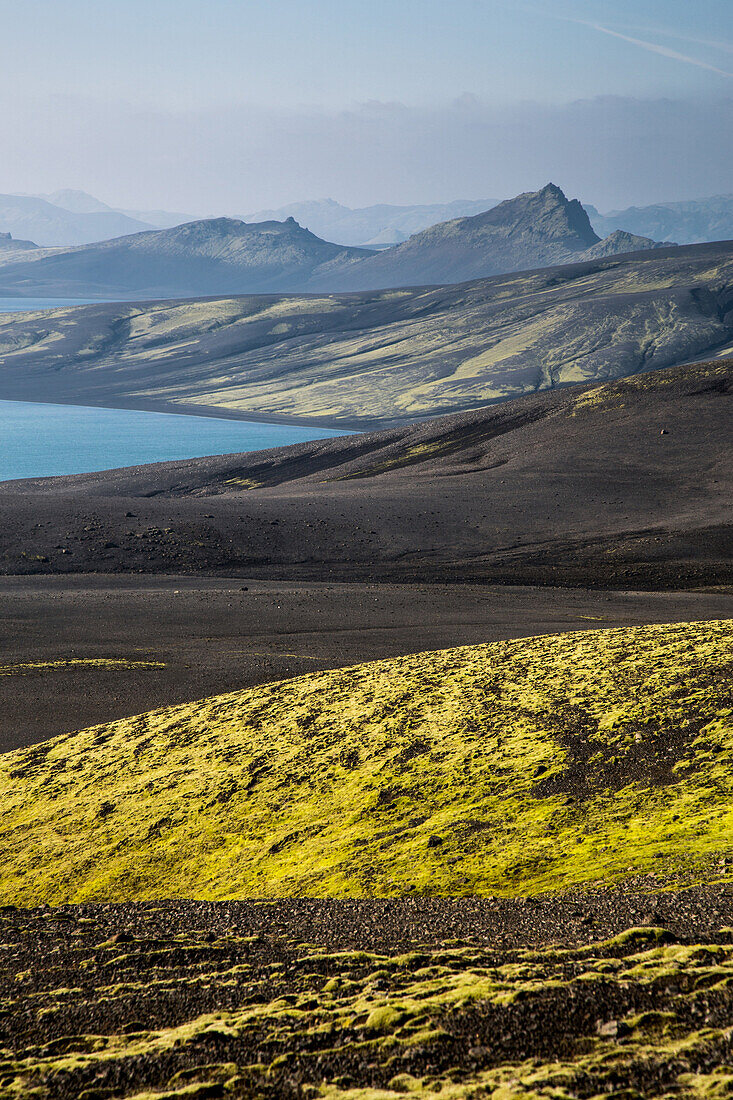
(216, 412)
(61, 438)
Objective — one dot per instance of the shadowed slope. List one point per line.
(624, 484)
(507, 769)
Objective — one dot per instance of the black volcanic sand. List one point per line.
(626, 485)
(285, 999)
(219, 635)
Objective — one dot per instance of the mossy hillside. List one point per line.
(507, 769)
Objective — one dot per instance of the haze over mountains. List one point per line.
(49, 225)
(70, 217)
(222, 255)
(691, 222)
(370, 226)
(81, 202)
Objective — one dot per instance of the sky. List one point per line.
(228, 106)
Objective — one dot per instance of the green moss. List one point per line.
(72, 663)
(506, 769)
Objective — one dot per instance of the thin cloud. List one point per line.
(643, 43)
(691, 40)
(652, 47)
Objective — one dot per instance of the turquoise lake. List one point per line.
(43, 440)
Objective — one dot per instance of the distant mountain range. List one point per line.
(72, 217)
(46, 224)
(692, 222)
(226, 256)
(67, 218)
(80, 202)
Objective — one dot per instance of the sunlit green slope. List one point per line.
(505, 769)
(362, 360)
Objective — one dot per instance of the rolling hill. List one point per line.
(365, 360)
(627, 484)
(508, 769)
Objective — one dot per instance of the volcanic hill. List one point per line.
(216, 256)
(536, 229)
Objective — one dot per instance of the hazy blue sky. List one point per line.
(230, 105)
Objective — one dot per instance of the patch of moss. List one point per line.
(504, 769)
(26, 667)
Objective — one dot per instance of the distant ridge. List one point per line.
(535, 229)
(81, 202)
(365, 226)
(52, 226)
(619, 243)
(693, 221)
